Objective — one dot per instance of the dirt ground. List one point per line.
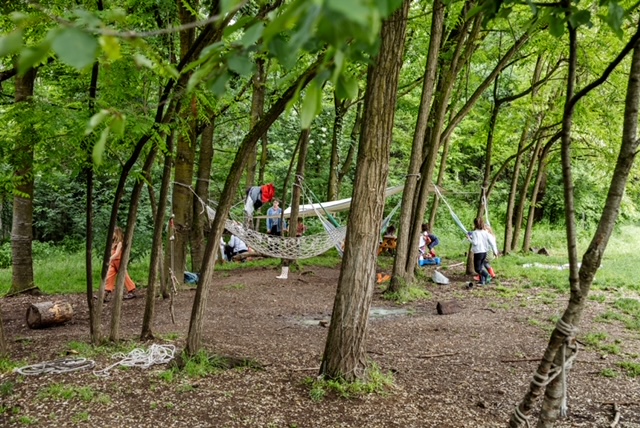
(468, 369)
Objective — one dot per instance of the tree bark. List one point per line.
(542, 165)
(411, 183)
(344, 354)
(340, 111)
(580, 280)
(194, 337)
(353, 142)
(257, 109)
(22, 224)
(156, 246)
(200, 217)
(114, 333)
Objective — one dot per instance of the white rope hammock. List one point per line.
(302, 247)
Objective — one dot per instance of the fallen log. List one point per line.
(448, 308)
(243, 256)
(46, 314)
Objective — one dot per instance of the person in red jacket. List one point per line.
(114, 267)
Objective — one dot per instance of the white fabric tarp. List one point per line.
(331, 207)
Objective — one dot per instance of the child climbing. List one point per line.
(114, 267)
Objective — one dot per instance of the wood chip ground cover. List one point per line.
(468, 369)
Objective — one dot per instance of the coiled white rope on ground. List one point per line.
(156, 354)
(64, 365)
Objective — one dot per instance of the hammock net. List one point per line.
(302, 247)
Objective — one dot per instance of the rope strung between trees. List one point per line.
(542, 380)
(156, 354)
(61, 366)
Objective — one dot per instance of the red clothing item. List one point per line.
(114, 267)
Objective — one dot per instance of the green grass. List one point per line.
(407, 294)
(377, 382)
(632, 369)
(58, 391)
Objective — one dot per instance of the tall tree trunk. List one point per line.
(194, 338)
(580, 280)
(542, 164)
(344, 354)
(200, 216)
(340, 111)
(411, 183)
(296, 192)
(88, 174)
(353, 142)
(257, 109)
(465, 36)
(513, 192)
(114, 334)
(22, 225)
(156, 246)
(182, 202)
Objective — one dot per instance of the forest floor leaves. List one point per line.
(468, 369)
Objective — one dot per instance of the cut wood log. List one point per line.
(46, 314)
(448, 308)
(243, 256)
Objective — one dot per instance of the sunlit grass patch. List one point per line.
(631, 369)
(377, 382)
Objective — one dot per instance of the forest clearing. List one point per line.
(462, 370)
(170, 166)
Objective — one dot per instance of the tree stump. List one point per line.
(46, 314)
(448, 308)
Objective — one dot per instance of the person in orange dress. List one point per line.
(114, 267)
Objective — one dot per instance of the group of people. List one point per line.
(482, 241)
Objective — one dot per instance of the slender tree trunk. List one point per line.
(353, 142)
(194, 338)
(156, 246)
(340, 111)
(296, 192)
(88, 174)
(542, 162)
(257, 109)
(513, 192)
(22, 226)
(400, 273)
(580, 280)
(200, 216)
(114, 334)
(344, 354)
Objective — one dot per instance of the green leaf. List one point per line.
(252, 35)
(280, 49)
(354, 10)
(96, 120)
(240, 64)
(615, 18)
(98, 149)
(556, 26)
(117, 125)
(227, 6)
(75, 47)
(347, 88)
(111, 47)
(311, 105)
(338, 60)
(32, 56)
(218, 85)
(581, 17)
(11, 43)
(143, 61)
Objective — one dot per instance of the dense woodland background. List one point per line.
(118, 112)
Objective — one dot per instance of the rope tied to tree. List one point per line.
(542, 380)
(156, 354)
(521, 418)
(569, 331)
(61, 366)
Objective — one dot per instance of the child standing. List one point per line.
(114, 267)
(481, 241)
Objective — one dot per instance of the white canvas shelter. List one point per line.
(331, 207)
